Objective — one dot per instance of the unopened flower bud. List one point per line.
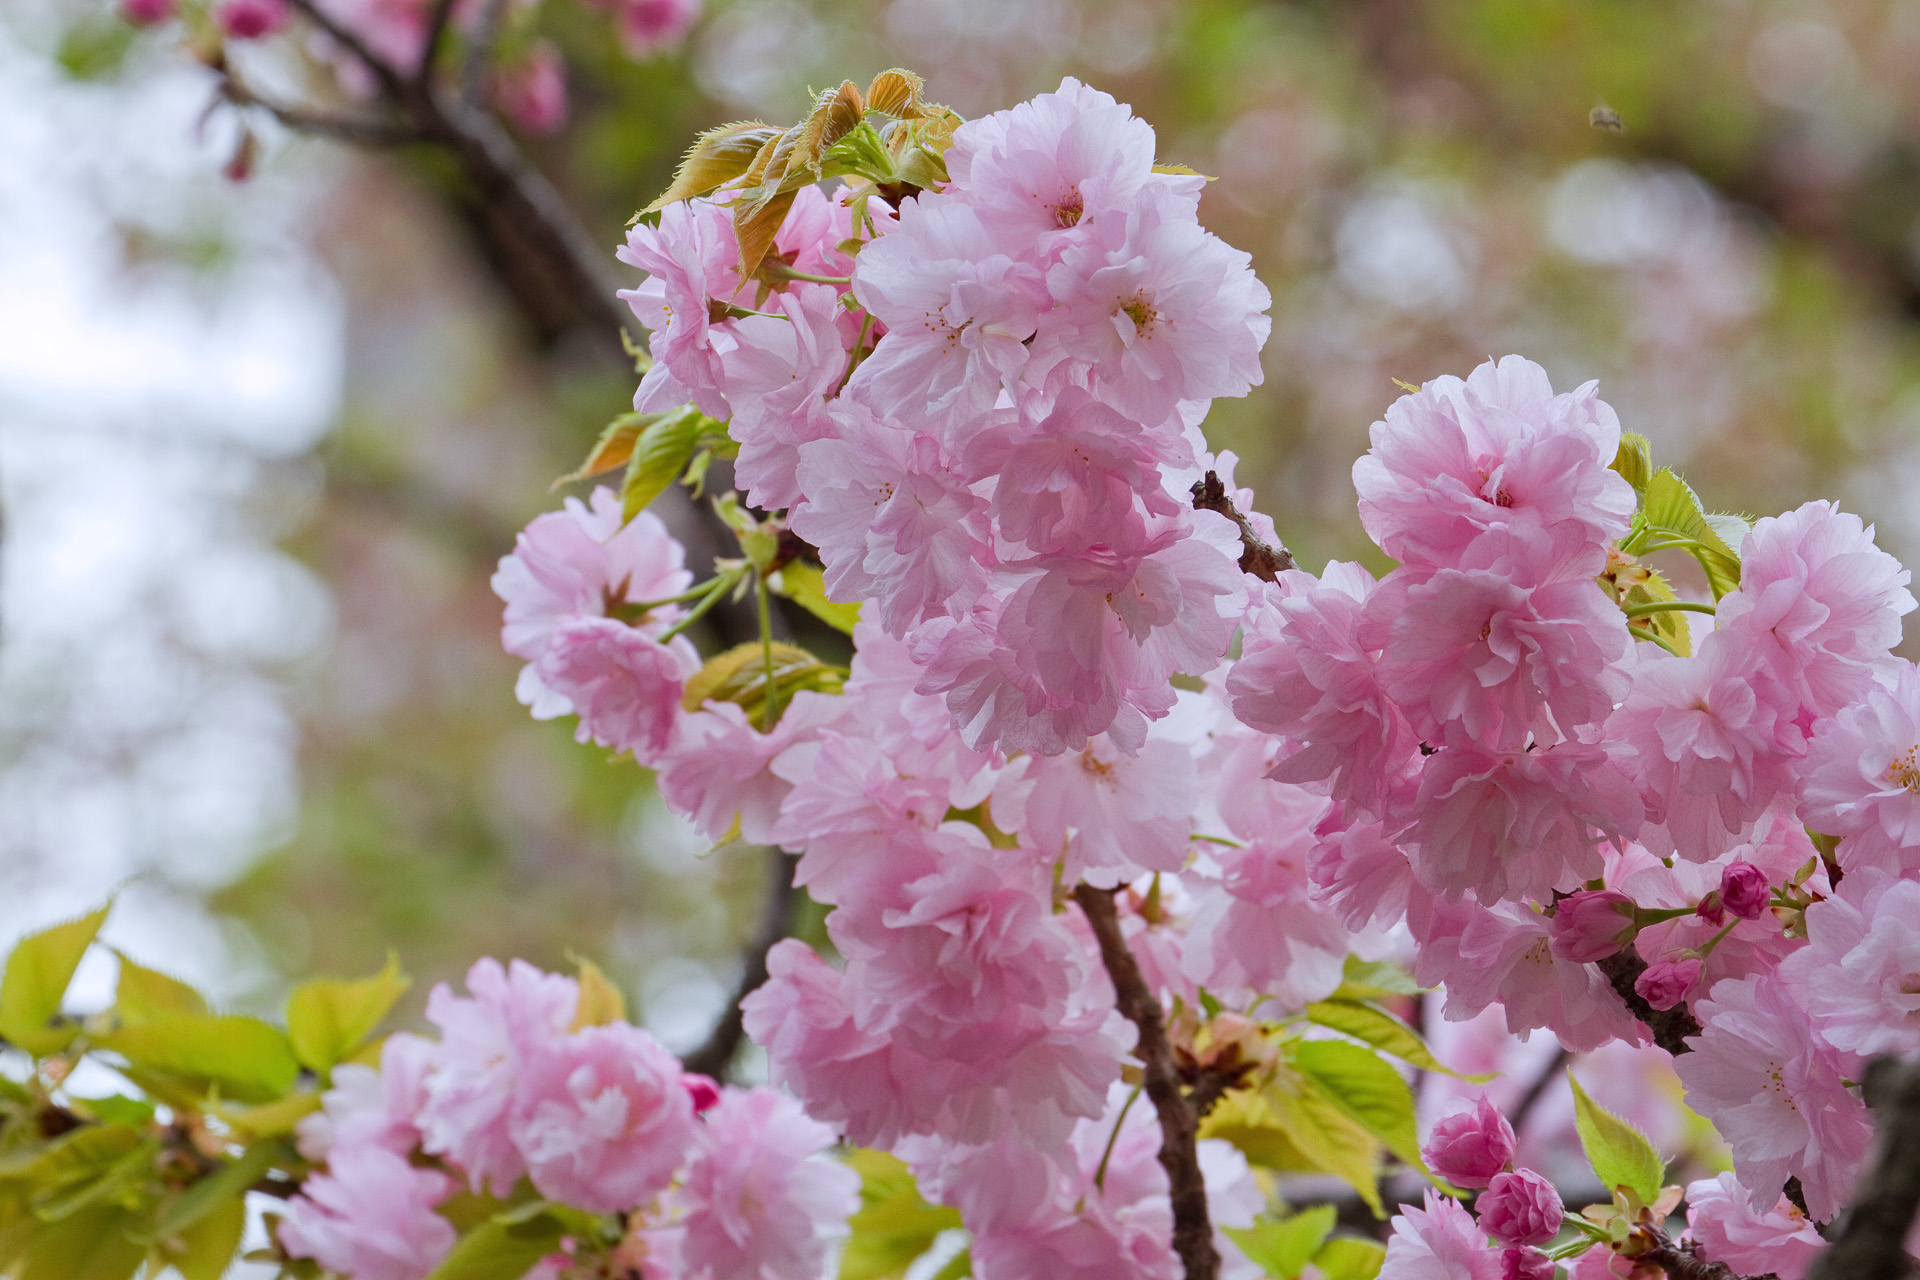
(1525, 1264)
(704, 1092)
(251, 19)
(145, 13)
(1744, 890)
(1469, 1146)
(1666, 984)
(1520, 1208)
(1592, 925)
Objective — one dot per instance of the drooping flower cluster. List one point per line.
(708, 1181)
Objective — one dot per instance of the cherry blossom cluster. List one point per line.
(700, 1180)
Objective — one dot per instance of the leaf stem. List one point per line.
(720, 586)
(1665, 606)
(1100, 1174)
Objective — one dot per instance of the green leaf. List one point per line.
(1283, 1247)
(716, 158)
(116, 1109)
(1374, 980)
(1671, 509)
(806, 586)
(36, 981)
(226, 1185)
(328, 1019)
(1383, 1031)
(1620, 1154)
(1669, 628)
(272, 1119)
(1350, 1258)
(501, 1250)
(87, 1246)
(1634, 459)
(740, 675)
(144, 993)
(205, 1249)
(1368, 1089)
(248, 1059)
(660, 452)
(894, 1225)
(1317, 1132)
(613, 448)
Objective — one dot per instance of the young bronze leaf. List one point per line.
(755, 226)
(896, 93)
(717, 157)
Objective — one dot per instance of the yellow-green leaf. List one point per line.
(87, 1246)
(1383, 1031)
(204, 1251)
(740, 676)
(1326, 1134)
(897, 92)
(1349, 1258)
(600, 1001)
(145, 993)
(716, 158)
(226, 1185)
(894, 1225)
(1668, 627)
(270, 1119)
(612, 449)
(36, 979)
(1634, 459)
(248, 1059)
(1282, 1247)
(806, 586)
(497, 1250)
(1669, 507)
(1244, 1119)
(1620, 1154)
(660, 452)
(1183, 171)
(1368, 1089)
(327, 1019)
(1374, 980)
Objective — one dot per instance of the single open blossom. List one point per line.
(623, 684)
(1113, 817)
(1439, 1242)
(1725, 1227)
(370, 1216)
(1858, 977)
(366, 1107)
(1520, 1207)
(692, 263)
(1863, 776)
(1471, 1144)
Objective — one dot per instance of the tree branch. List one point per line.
(480, 41)
(1670, 1027)
(1870, 1240)
(1261, 559)
(357, 130)
(1678, 1259)
(437, 19)
(1537, 1090)
(1179, 1154)
(714, 1057)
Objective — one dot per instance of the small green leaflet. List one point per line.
(497, 1250)
(1670, 509)
(1350, 1258)
(328, 1019)
(1283, 1247)
(36, 981)
(1383, 1031)
(1620, 1154)
(804, 584)
(660, 452)
(1368, 1089)
(894, 1225)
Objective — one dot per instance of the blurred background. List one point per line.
(262, 442)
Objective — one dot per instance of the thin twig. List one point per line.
(481, 37)
(358, 130)
(1259, 558)
(1870, 1240)
(437, 19)
(1538, 1089)
(714, 1057)
(1670, 1027)
(1179, 1153)
(391, 82)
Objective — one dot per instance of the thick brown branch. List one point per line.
(1179, 1154)
(715, 1057)
(1260, 558)
(437, 19)
(1870, 1241)
(1670, 1027)
(1678, 1259)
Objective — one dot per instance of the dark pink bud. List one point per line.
(533, 93)
(1525, 1264)
(1666, 984)
(1520, 1208)
(1712, 910)
(1468, 1147)
(702, 1089)
(144, 13)
(1592, 925)
(1744, 889)
(251, 19)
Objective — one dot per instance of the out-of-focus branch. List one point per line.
(480, 41)
(437, 20)
(1870, 1240)
(359, 131)
(1179, 1125)
(1538, 1089)
(1670, 1027)
(1260, 558)
(776, 919)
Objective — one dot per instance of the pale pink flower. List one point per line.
(601, 1118)
(849, 811)
(1665, 983)
(760, 1199)
(532, 93)
(1470, 1143)
(251, 19)
(1257, 929)
(1726, 1228)
(1819, 605)
(1592, 924)
(1776, 1093)
(370, 1216)
(1112, 817)
(1150, 310)
(1863, 776)
(959, 313)
(1859, 973)
(1505, 954)
(1525, 1263)
(624, 685)
(1361, 873)
(1440, 1242)
(485, 1040)
(777, 377)
(1499, 450)
(648, 27)
(692, 263)
(716, 768)
(368, 1107)
(1520, 1208)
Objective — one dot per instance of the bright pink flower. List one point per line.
(702, 1091)
(624, 685)
(692, 263)
(1505, 955)
(1440, 1242)
(1665, 983)
(145, 13)
(1525, 1264)
(1510, 645)
(1498, 451)
(1520, 1208)
(1305, 673)
(1150, 310)
(1470, 1144)
(1819, 605)
(485, 1039)
(1113, 817)
(1600, 1263)
(959, 314)
(1744, 890)
(251, 19)
(370, 1216)
(850, 811)
(601, 1118)
(648, 27)
(1863, 777)
(716, 770)
(1859, 974)
(366, 1107)
(893, 523)
(1776, 1093)
(1592, 924)
(1726, 1228)
(760, 1200)
(532, 94)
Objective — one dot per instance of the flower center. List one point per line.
(1140, 311)
(1904, 772)
(1068, 209)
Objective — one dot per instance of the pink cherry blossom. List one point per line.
(368, 1107)
(1859, 974)
(716, 768)
(1592, 924)
(532, 93)
(692, 263)
(624, 685)
(760, 1200)
(1361, 873)
(785, 364)
(648, 27)
(145, 13)
(1744, 890)
(601, 1118)
(1666, 983)
(1471, 1144)
(1777, 1094)
(1520, 1208)
(370, 1216)
(1525, 1263)
(1726, 1228)
(251, 19)
(485, 1040)
(1863, 776)
(1257, 929)
(1439, 1242)
(1112, 817)
(1498, 451)
(1505, 954)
